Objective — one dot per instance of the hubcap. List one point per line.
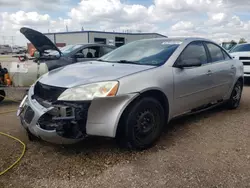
(237, 93)
(146, 125)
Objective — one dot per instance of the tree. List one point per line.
(242, 40)
(233, 42)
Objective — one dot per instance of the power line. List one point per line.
(8, 39)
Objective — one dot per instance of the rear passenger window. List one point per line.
(215, 52)
(194, 50)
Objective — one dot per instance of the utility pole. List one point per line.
(4, 38)
(13, 40)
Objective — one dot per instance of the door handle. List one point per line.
(209, 72)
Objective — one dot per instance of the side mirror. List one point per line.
(79, 55)
(189, 63)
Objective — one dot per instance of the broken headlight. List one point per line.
(90, 91)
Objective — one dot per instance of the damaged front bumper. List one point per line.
(68, 123)
(39, 121)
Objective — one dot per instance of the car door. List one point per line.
(192, 85)
(223, 70)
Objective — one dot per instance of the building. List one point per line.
(112, 38)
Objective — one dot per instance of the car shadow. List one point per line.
(7, 104)
(100, 144)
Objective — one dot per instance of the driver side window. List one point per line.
(194, 51)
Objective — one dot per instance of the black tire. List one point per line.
(235, 97)
(141, 124)
(2, 95)
(31, 137)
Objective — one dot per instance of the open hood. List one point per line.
(39, 40)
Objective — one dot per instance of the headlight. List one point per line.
(90, 91)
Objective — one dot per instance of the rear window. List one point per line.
(215, 52)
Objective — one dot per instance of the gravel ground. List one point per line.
(210, 149)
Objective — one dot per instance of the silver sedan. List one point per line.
(132, 92)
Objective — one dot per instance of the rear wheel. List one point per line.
(141, 124)
(2, 95)
(235, 98)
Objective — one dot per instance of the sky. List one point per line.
(219, 20)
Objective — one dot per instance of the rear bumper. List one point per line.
(102, 118)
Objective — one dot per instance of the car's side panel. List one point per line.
(192, 85)
(222, 68)
(104, 114)
(239, 74)
(223, 74)
(192, 88)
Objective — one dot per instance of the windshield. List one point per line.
(66, 49)
(144, 52)
(241, 48)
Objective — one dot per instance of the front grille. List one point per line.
(71, 123)
(244, 58)
(46, 92)
(246, 63)
(29, 115)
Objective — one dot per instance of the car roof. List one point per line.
(180, 39)
(93, 44)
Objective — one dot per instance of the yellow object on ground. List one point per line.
(21, 156)
(14, 138)
(9, 111)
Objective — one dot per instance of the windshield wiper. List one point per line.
(105, 61)
(120, 61)
(128, 62)
(100, 60)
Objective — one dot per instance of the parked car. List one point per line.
(228, 45)
(25, 71)
(18, 50)
(132, 92)
(242, 53)
(5, 49)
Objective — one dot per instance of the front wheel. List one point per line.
(141, 124)
(235, 97)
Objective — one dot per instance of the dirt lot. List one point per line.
(206, 150)
(8, 58)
